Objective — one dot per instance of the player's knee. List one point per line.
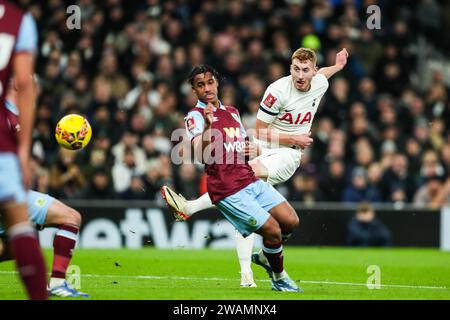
(272, 233)
(72, 216)
(295, 221)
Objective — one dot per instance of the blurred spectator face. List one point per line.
(325, 128)
(276, 71)
(421, 132)
(101, 181)
(367, 85)
(102, 91)
(357, 110)
(81, 84)
(359, 178)
(309, 184)
(102, 114)
(399, 164)
(336, 149)
(417, 106)
(339, 88)
(412, 147)
(430, 164)
(128, 159)
(137, 184)
(390, 133)
(445, 154)
(364, 156)
(398, 195)
(98, 158)
(302, 73)
(206, 87)
(437, 127)
(129, 139)
(109, 65)
(389, 116)
(67, 156)
(148, 143)
(337, 169)
(359, 126)
(165, 67)
(138, 122)
(374, 173)
(188, 172)
(434, 185)
(365, 215)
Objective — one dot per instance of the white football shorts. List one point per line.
(281, 163)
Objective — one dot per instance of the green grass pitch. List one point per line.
(323, 273)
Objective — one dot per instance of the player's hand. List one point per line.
(341, 58)
(303, 140)
(24, 161)
(252, 149)
(208, 114)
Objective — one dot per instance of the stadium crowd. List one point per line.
(378, 135)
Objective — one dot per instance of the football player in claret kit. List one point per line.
(18, 45)
(283, 127)
(248, 203)
(46, 211)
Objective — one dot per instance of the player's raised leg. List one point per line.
(183, 209)
(248, 211)
(68, 221)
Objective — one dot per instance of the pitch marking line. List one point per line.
(225, 279)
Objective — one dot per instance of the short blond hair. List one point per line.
(305, 54)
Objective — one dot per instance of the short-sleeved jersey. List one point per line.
(227, 169)
(12, 114)
(17, 33)
(289, 110)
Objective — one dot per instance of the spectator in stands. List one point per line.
(67, 178)
(428, 195)
(123, 171)
(99, 186)
(358, 190)
(366, 230)
(126, 68)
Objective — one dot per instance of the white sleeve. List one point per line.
(194, 123)
(270, 105)
(322, 81)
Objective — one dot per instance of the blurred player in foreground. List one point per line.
(283, 127)
(46, 211)
(248, 203)
(18, 45)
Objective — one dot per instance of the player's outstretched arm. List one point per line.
(23, 70)
(341, 61)
(265, 133)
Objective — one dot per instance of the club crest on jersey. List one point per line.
(269, 101)
(190, 123)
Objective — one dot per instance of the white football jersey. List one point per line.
(289, 110)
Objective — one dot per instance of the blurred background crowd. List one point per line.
(381, 133)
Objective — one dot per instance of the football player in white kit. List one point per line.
(283, 127)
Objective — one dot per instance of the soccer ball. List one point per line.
(73, 132)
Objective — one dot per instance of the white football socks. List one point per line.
(199, 204)
(244, 247)
(56, 282)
